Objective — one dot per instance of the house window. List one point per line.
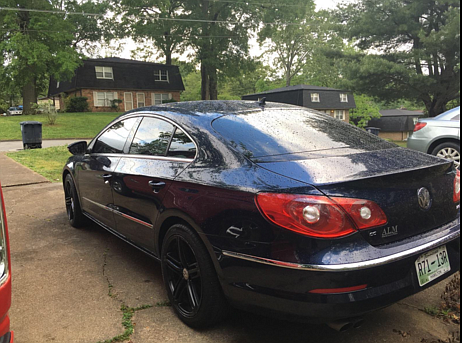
(161, 75)
(141, 99)
(159, 99)
(343, 97)
(104, 99)
(315, 97)
(104, 73)
(340, 114)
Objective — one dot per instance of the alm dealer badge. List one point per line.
(390, 231)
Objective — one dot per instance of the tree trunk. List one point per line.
(435, 107)
(213, 83)
(169, 59)
(205, 85)
(29, 96)
(288, 78)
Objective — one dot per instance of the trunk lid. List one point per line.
(391, 177)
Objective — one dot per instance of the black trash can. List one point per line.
(31, 134)
(373, 130)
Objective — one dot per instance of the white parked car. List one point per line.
(14, 111)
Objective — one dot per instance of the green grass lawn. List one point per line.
(47, 162)
(401, 144)
(68, 125)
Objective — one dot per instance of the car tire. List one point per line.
(74, 211)
(190, 279)
(450, 151)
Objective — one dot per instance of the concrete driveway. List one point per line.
(70, 286)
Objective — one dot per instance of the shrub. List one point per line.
(115, 104)
(77, 104)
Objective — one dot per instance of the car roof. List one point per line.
(211, 109)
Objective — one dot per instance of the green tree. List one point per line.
(290, 38)
(36, 42)
(410, 49)
(216, 33)
(150, 21)
(365, 110)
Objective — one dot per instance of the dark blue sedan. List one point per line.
(269, 208)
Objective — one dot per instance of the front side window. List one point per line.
(315, 97)
(339, 114)
(152, 138)
(182, 146)
(104, 99)
(161, 75)
(104, 73)
(159, 99)
(343, 97)
(113, 140)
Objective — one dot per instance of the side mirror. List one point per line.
(78, 148)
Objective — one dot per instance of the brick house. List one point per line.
(137, 84)
(334, 102)
(396, 125)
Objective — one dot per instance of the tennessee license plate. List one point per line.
(432, 265)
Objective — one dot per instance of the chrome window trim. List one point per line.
(148, 157)
(141, 115)
(348, 266)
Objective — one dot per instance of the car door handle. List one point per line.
(157, 186)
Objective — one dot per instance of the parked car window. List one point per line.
(456, 118)
(269, 133)
(450, 115)
(182, 146)
(114, 139)
(152, 137)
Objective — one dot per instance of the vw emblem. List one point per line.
(425, 199)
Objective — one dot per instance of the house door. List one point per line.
(128, 101)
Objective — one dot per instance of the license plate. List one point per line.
(432, 265)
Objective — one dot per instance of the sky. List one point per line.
(255, 50)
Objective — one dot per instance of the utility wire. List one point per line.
(258, 3)
(155, 36)
(155, 18)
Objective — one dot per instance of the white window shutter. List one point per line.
(116, 96)
(170, 96)
(153, 99)
(95, 98)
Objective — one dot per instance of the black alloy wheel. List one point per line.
(74, 211)
(189, 276)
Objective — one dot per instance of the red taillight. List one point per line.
(419, 126)
(319, 216)
(457, 187)
(366, 214)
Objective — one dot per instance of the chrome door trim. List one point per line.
(126, 216)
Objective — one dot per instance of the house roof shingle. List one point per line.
(301, 96)
(128, 75)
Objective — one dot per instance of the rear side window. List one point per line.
(282, 132)
(152, 138)
(113, 140)
(182, 146)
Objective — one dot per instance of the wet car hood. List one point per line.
(344, 165)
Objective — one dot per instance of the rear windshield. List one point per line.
(281, 132)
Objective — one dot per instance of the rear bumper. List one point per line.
(419, 143)
(283, 289)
